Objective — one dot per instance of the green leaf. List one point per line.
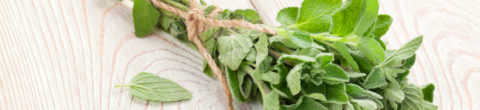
(233, 49)
(408, 63)
(337, 94)
(262, 49)
(372, 49)
(393, 92)
(248, 15)
(357, 91)
(293, 79)
(355, 17)
(375, 79)
(429, 106)
(287, 16)
(314, 91)
(264, 66)
(271, 101)
(296, 59)
(413, 98)
(145, 17)
(301, 39)
(153, 88)
(324, 58)
(271, 77)
(312, 52)
(382, 25)
(314, 15)
(365, 104)
(234, 85)
(343, 50)
(406, 51)
(352, 74)
(334, 74)
(310, 104)
(251, 55)
(428, 92)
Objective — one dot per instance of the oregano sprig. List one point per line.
(327, 54)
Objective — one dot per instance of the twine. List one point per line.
(196, 23)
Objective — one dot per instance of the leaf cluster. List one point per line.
(327, 55)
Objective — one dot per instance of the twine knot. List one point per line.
(193, 23)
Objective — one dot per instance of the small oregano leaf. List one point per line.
(293, 79)
(314, 15)
(406, 51)
(287, 16)
(145, 17)
(233, 49)
(355, 17)
(382, 25)
(271, 101)
(428, 92)
(153, 88)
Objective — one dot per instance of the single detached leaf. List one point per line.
(355, 17)
(337, 94)
(145, 17)
(287, 16)
(428, 92)
(314, 15)
(151, 87)
(382, 25)
(233, 49)
(271, 101)
(293, 79)
(375, 79)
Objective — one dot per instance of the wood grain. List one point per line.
(68, 54)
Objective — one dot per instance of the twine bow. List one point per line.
(196, 23)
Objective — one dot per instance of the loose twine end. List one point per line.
(196, 23)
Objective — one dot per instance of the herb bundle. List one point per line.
(327, 54)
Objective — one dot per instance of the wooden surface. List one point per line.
(68, 54)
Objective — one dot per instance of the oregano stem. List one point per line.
(126, 85)
(176, 4)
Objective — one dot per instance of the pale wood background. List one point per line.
(68, 54)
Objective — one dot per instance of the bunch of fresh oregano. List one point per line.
(326, 55)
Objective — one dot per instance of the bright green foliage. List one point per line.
(145, 16)
(326, 55)
(382, 25)
(314, 16)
